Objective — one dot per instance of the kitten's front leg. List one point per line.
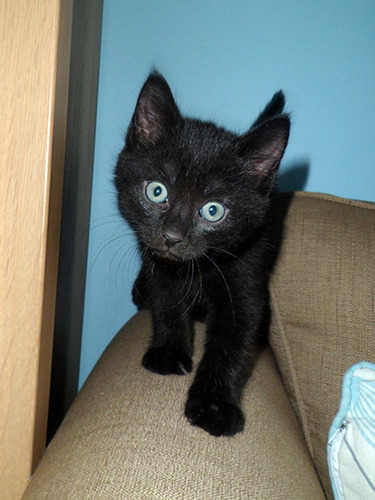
(140, 290)
(171, 347)
(214, 398)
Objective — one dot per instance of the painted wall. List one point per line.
(224, 60)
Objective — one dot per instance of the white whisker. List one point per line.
(225, 251)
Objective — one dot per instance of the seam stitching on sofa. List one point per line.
(366, 205)
(292, 372)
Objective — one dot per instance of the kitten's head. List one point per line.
(188, 187)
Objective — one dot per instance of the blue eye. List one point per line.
(212, 211)
(156, 192)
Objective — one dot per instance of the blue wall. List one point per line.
(223, 61)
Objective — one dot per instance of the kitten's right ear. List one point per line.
(155, 114)
(274, 108)
(263, 147)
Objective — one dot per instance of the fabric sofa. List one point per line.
(126, 436)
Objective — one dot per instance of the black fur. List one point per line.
(194, 268)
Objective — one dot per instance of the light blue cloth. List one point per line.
(351, 441)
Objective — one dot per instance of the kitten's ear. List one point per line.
(155, 113)
(263, 147)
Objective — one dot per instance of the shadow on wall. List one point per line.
(293, 176)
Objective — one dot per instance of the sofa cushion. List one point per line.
(322, 294)
(126, 437)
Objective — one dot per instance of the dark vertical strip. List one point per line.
(82, 104)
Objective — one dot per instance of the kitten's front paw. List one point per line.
(219, 418)
(166, 361)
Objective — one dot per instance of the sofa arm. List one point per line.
(126, 437)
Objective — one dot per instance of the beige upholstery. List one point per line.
(126, 437)
(323, 300)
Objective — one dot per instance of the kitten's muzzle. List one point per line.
(172, 247)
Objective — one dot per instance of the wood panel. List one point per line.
(34, 65)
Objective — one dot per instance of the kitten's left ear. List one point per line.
(263, 147)
(155, 114)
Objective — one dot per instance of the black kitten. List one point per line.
(198, 199)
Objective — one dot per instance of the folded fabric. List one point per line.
(351, 442)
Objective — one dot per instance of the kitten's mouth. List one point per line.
(170, 254)
(176, 253)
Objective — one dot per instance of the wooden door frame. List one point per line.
(34, 65)
(41, 79)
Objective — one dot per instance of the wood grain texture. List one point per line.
(34, 62)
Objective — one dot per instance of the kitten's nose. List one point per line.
(172, 237)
